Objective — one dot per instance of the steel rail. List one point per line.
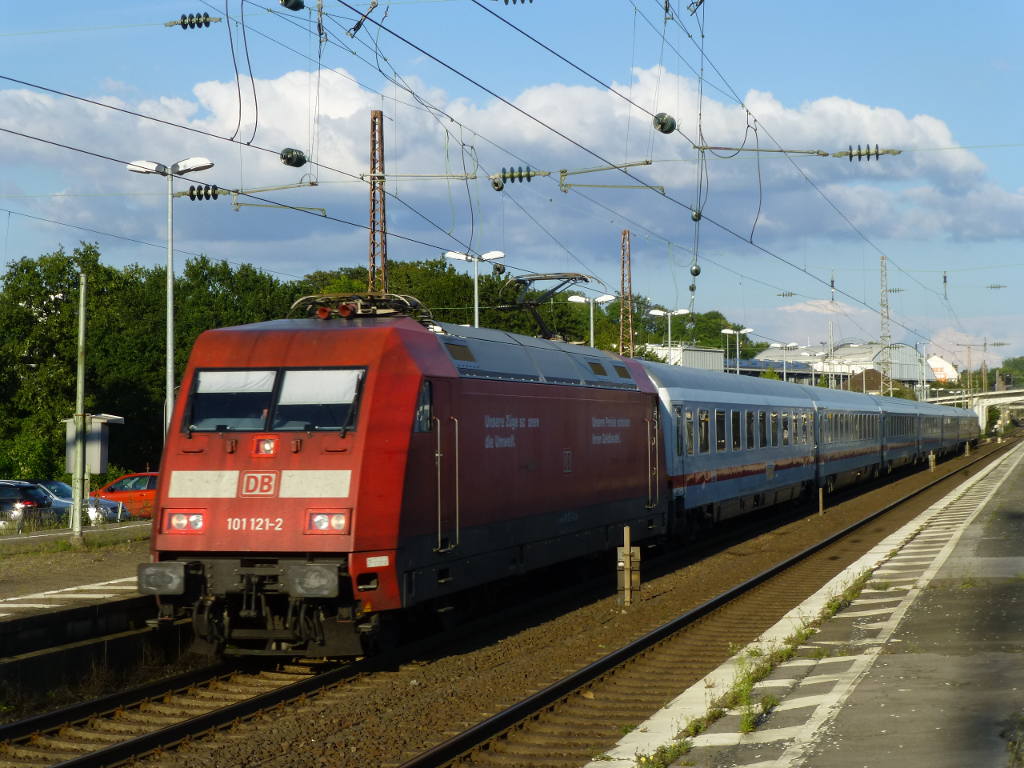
(76, 713)
(486, 730)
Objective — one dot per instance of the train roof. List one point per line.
(479, 353)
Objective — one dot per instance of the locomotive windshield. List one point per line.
(281, 400)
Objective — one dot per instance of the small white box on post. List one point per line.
(628, 563)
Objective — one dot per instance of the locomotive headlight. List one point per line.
(328, 520)
(264, 446)
(185, 521)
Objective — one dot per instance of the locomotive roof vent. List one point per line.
(345, 305)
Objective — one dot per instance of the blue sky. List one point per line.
(935, 80)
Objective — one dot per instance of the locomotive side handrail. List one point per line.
(458, 481)
(437, 464)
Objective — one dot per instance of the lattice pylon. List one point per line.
(626, 300)
(378, 267)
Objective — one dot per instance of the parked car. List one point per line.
(24, 505)
(98, 510)
(136, 491)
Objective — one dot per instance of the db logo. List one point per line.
(258, 484)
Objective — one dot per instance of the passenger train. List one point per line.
(326, 474)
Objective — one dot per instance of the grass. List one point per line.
(968, 582)
(1014, 735)
(665, 755)
(92, 540)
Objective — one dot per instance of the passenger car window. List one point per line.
(736, 431)
(720, 431)
(750, 430)
(690, 442)
(704, 427)
(762, 423)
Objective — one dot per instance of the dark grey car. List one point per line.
(24, 505)
(97, 510)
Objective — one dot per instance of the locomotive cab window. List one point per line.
(231, 400)
(424, 410)
(312, 400)
(283, 400)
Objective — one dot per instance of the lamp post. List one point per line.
(584, 300)
(739, 333)
(668, 314)
(785, 349)
(729, 332)
(489, 256)
(188, 165)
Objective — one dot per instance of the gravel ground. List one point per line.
(384, 718)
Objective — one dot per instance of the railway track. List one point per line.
(600, 700)
(131, 724)
(579, 717)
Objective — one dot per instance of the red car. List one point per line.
(136, 491)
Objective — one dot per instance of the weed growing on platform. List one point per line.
(665, 755)
(756, 664)
(1014, 735)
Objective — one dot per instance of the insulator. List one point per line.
(293, 5)
(497, 183)
(524, 2)
(664, 122)
(194, 20)
(296, 158)
(511, 175)
(695, 269)
(203, 192)
(695, 215)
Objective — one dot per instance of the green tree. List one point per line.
(39, 315)
(771, 373)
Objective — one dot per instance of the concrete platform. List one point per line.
(925, 668)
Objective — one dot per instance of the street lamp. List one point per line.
(188, 165)
(584, 300)
(730, 332)
(785, 348)
(668, 314)
(489, 256)
(739, 333)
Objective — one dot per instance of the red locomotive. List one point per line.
(321, 473)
